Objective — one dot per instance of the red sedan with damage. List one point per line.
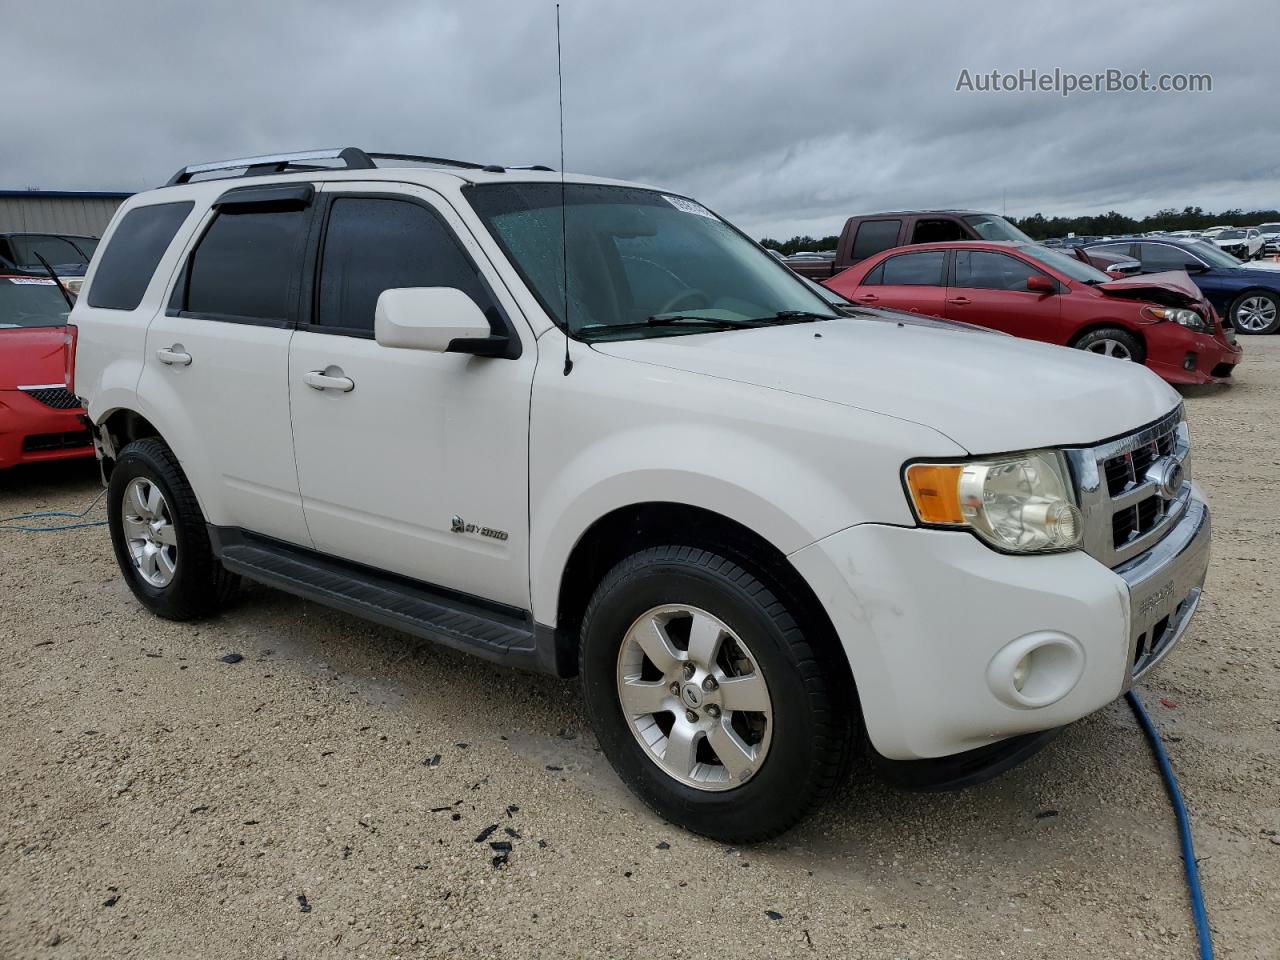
(1161, 319)
(39, 416)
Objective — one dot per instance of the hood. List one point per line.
(990, 394)
(1172, 289)
(31, 356)
(1264, 268)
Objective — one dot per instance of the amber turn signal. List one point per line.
(935, 491)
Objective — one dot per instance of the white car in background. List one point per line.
(1270, 237)
(1244, 243)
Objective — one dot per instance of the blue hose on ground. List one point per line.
(1198, 913)
(10, 523)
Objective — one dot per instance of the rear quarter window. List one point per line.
(874, 236)
(131, 256)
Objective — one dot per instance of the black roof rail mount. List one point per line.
(353, 157)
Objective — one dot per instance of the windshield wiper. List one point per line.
(667, 319)
(793, 316)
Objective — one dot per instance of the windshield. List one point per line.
(1270, 228)
(54, 249)
(1231, 235)
(1213, 255)
(1073, 267)
(990, 227)
(30, 302)
(637, 258)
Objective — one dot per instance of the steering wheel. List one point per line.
(671, 306)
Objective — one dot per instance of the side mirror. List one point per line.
(1196, 268)
(441, 319)
(1039, 283)
(1124, 268)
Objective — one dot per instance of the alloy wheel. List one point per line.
(694, 697)
(149, 532)
(1110, 348)
(1255, 314)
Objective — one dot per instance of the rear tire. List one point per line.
(1113, 342)
(159, 536)
(752, 681)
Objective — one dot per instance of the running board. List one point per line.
(493, 631)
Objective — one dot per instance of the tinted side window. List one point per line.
(874, 236)
(984, 270)
(1156, 257)
(915, 269)
(130, 259)
(373, 244)
(248, 264)
(875, 277)
(937, 231)
(1117, 248)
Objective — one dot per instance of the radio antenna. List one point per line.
(564, 235)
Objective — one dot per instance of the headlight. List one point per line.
(1188, 318)
(1017, 504)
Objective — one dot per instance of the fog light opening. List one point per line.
(1036, 670)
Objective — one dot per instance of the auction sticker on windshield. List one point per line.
(689, 206)
(35, 280)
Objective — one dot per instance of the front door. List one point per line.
(990, 289)
(415, 462)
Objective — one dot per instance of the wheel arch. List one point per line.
(119, 428)
(638, 526)
(1097, 325)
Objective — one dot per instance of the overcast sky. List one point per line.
(785, 117)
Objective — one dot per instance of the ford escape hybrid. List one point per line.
(762, 535)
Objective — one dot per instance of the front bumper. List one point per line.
(933, 620)
(31, 432)
(1179, 355)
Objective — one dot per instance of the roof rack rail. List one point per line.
(531, 166)
(353, 157)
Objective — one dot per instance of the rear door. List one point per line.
(421, 466)
(990, 289)
(215, 377)
(907, 281)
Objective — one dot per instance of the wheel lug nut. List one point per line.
(712, 710)
(675, 688)
(689, 670)
(709, 684)
(691, 716)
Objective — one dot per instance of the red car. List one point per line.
(39, 416)
(1031, 291)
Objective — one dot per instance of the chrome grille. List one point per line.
(1133, 489)
(60, 398)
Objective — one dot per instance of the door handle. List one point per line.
(174, 356)
(959, 301)
(867, 297)
(321, 380)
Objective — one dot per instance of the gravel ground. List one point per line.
(323, 796)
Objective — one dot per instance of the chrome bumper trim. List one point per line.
(1165, 585)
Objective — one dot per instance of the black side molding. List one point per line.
(494, 631)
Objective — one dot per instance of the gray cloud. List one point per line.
(784, 117)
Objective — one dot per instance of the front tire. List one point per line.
(159, 535)
(1113, 342)
(1256, 312)
(707, 698)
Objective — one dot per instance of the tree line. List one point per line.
(1039, 227)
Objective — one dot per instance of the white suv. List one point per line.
(761, 533)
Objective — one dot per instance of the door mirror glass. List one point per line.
(428, 318)
(1039, 283)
